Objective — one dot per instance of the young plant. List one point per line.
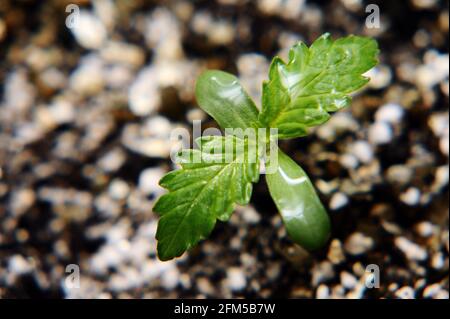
(298, 95)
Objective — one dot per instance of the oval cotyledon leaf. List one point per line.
(304, 216)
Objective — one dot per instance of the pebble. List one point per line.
(221, 33)
(118, 189)
(53, 78)
(380, 133)
(58, 113)
(112, 160)
(149, 179)
(405, 292)
(348, 281)
(399, 174)
(322, 272)
(323, 292)
(143, 96)
(252, 70)
(162, 33)
(340, 122)
(118, 76)
(380, 76)
(195, 114)
(107, 11)
(18, 265)
(107, 206)
(363, 151)
(411, 250)
(390, 113)
(87, 79)
(438, 261)
(411, 197)
(150, 146)
(425, 229)
(89, 30)
(126, 278)
(358, 243)
(433, 71)
(250, 215)
(435, 291)
(170, 278)
(157, 126)
(235, 279)
(338, 200)
(348, 161)
(21, 201)
(122, 53)
(204, 286)
(438, 122)
(335, 253)
(19, 93)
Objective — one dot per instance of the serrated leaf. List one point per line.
(315, 81)
(206, 188)
(224, 99)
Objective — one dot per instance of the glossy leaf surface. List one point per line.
(315, 81)
(206, 188)
(303, 214)
(221, 96)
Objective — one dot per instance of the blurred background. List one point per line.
(90, 91)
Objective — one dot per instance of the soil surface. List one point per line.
(85, 119)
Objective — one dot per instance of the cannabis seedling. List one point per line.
(298, 95)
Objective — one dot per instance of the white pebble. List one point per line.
(323, 292)
(411, 197)
(143, 95)
(348, 160)
(118, 189)
(434, 291)
(363, 151)
(405, 292)
(380, 133)
(170, 278)
(348, 280)
(390, 113)
(425, 229)
(438, 261)
(358, 243)
(411, 250)
(149, 179)
(158, 126)
(235, 280)
(89, 31)
(250, 215)
(380, 76)
(438, 122)
(338, 201)
(18, 265)
(88, 78)
(400, 174)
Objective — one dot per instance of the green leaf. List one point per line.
(315, 81)
(303, 214)
(206, 188)
(223, 98)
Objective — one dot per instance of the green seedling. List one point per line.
(299, 95)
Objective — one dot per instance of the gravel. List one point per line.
(86, 116)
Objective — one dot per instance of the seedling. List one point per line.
(298, 95)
